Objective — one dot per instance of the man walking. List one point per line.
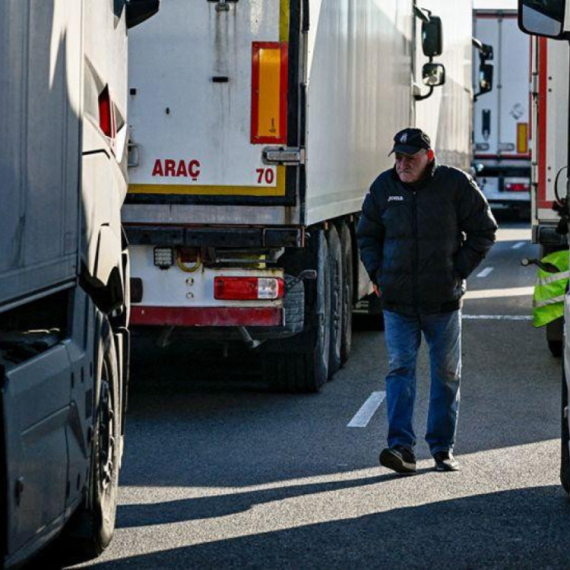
(424, 228)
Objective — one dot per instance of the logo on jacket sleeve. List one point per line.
(395, 198)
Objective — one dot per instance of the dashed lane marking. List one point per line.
(485, 272)
(496, 293)
(368, 409)
(519, 245)
(497, 317)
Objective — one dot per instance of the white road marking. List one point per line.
(368, 409)
(494, 293)
(519, 245)
(485, 272)
(497, 317)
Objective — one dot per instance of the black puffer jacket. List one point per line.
(418, 243)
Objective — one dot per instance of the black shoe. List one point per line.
(399, 459)
(444, 461)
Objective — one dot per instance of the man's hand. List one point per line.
(377, 290)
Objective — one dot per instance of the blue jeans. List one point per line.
(442, 332)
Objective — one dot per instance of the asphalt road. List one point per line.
(221, 473)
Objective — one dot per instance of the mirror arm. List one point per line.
(422, 13)
(426, 96)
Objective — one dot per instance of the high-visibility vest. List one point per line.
(548, 298)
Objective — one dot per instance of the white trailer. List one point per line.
(256, 130)
(549, 138)
(63, 271)
(549, 150)
(501, 126)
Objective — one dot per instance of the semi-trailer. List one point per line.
(256, 130)
(501, 117)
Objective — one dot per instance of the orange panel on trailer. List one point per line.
(269, 93)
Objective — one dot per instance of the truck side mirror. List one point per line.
(542, 17)
(485, 78)
(140, 10)
(432, 37)
(433, 74)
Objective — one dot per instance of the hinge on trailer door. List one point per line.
(534, 86)
(222, 5)
(282, 155)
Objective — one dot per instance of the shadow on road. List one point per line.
(199, 508)
(471, 532)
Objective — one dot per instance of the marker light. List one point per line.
(516, 187)
(163, 257)
(106, 113)
(248, 288)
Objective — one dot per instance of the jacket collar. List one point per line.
(428, 176)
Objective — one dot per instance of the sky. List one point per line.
(504, 4)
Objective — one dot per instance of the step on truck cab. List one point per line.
(256, 130)
(64, 298)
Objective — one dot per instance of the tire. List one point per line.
(91, 528)
(305, 367)
(348, 293)
(555, 347)
(337, 301)
(565, 439)
(294, 305)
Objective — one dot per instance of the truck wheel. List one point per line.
(91, 528)
(348, 293)
(337, 300)
(565, 440)
(304, 367)
(555, 347)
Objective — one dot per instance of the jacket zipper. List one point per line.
(416, 253)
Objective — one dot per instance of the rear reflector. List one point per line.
(517, 187)
(269, 93)
(248, 288)
(522, 138)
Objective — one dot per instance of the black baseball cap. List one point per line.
(410, 141)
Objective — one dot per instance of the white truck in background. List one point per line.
(256, 131)
(550, 63)
(501, 125)
(63, 272)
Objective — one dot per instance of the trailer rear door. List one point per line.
(551, 127)
(210, 88)
(501, 122)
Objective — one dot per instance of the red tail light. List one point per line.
(517, 187)
(106, 114)
(248, 288)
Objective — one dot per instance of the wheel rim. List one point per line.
(107, 441)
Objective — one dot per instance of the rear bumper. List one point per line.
(207, 316)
